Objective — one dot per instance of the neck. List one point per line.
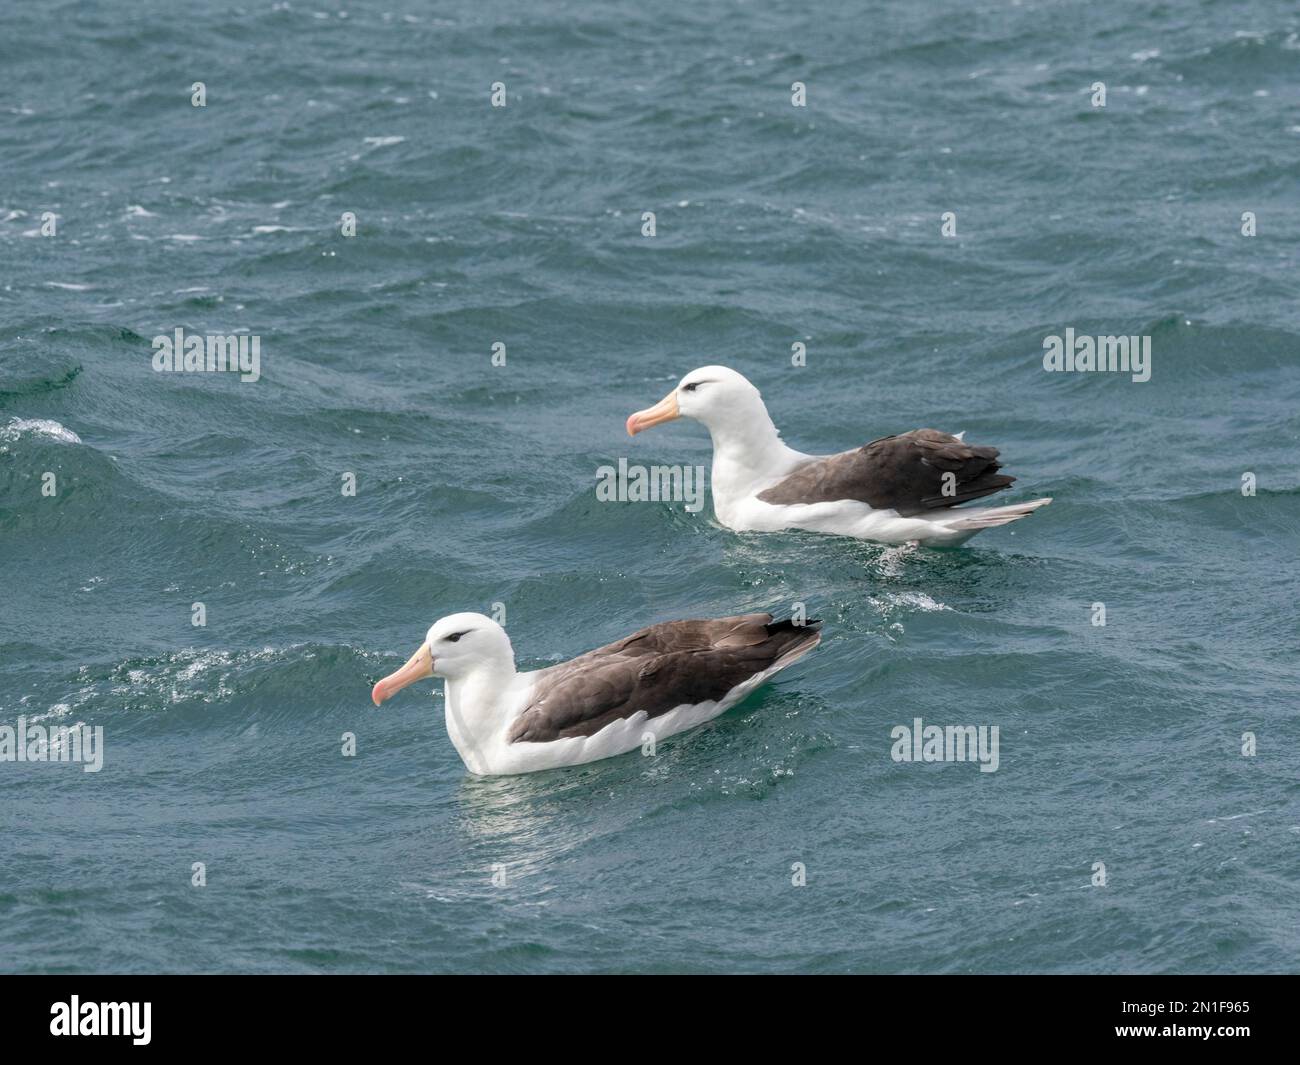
(747, 454)
(478, 709)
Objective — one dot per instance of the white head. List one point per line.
(723, 400)
(456, 646)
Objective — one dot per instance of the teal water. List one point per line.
(475, 483)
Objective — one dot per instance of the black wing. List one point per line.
(668, 665)
(910, 473)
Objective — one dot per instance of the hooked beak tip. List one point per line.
(419, 666)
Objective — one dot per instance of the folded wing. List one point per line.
(665, 666)
(911, 473)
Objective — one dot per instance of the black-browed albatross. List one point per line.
(897, 489)
(662, 680)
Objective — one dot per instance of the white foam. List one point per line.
(40, 427)
(914, 600)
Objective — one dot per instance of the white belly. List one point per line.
(619, 737)
(844, 517)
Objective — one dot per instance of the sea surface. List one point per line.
(475, 482)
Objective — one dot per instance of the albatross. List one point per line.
(897, 489)
(662, 680)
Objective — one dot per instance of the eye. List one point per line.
(457, 635)
(691, 387)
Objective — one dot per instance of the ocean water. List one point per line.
(521, 225)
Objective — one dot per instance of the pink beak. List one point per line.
(663, 411)
(418, 666)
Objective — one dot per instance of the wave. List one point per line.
(11, 389)
(44, 427)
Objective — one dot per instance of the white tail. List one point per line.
(993, 516)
